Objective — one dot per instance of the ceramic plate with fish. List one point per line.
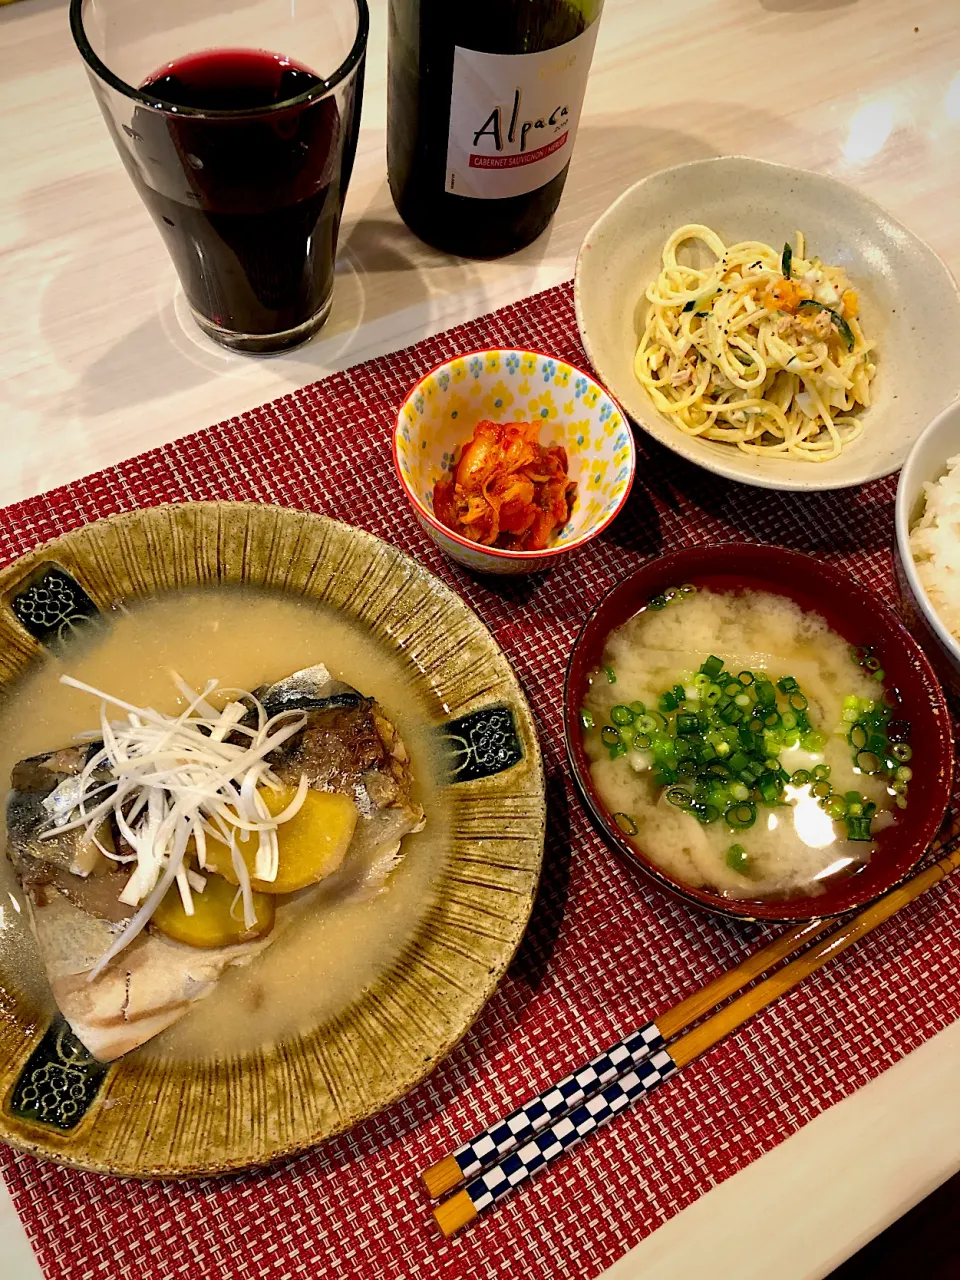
(273, 789)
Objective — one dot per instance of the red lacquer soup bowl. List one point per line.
(861, 618)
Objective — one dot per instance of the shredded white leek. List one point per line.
(166, 780)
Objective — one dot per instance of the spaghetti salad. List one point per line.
(762, 349)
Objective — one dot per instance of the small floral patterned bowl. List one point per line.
(502, 385)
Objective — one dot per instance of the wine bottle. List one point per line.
(483, 103)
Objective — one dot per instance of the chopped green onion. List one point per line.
(898, 730)
(621, 715)
(641, 742)
(769, 788)
(766, 694)
(741, 816)
(868, 762)
(901, 751)
(786, 262)
(858, 828)
(712, 667)
(821, 771)
(821, 790)
(687, 723)
(688, 589)
(657, 602)
(609, 735)
(800, 778)
(667, 702)
(586, 718)
(625, 823)
(746, 678)
(737, 859)
(679, 796)
(638, 708)
(611, 675)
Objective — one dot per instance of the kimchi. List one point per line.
(506, 490)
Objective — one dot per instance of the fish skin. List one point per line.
(148, 987)
(375, 771)
(152, 983)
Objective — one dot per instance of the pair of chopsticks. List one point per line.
(510, 1151)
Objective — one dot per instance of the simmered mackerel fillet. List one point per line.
(347, 746)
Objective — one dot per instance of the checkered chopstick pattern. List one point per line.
(353, 1209)
(506, 1135)
(572, 1128)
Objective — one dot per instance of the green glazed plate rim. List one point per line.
(155, 1117)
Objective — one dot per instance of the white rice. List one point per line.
(935, 546)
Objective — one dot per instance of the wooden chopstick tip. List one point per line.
(442, 1177)
(455, 1213)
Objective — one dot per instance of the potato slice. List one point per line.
(311, 845)
(213, 923)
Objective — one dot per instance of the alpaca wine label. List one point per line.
(513, 118)
(482, 113)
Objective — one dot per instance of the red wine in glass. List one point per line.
(249, 205)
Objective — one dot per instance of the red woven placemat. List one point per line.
(603, 950)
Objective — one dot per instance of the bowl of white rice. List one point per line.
(928, 542)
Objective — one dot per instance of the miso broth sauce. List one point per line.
(793, 847)
(333, 943)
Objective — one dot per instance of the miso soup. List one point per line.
(742, 745)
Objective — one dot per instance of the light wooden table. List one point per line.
(97, 364)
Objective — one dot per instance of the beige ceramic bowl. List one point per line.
(910, 303)
(926, 464)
